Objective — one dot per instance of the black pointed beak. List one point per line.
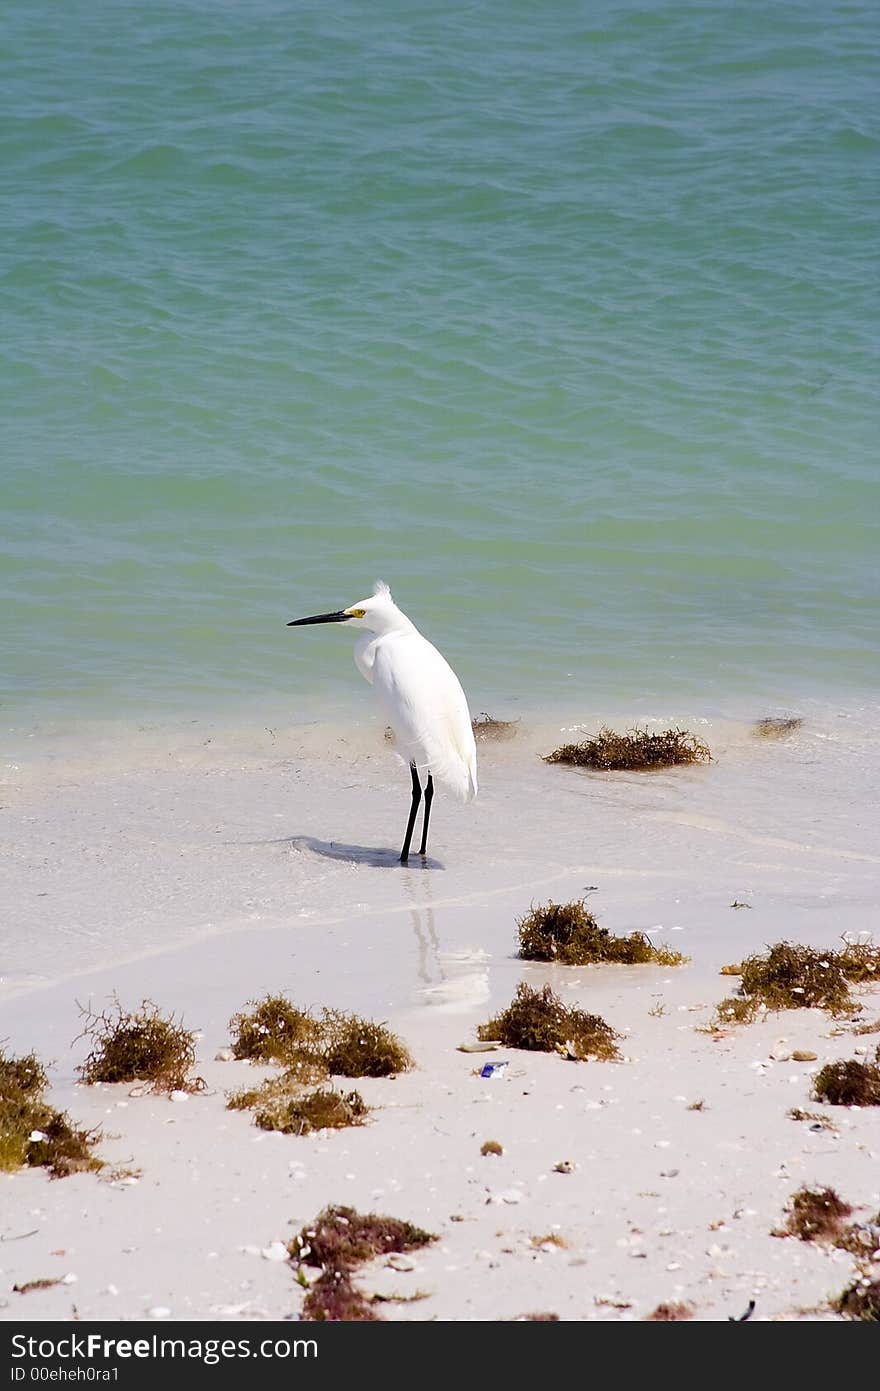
(339, 617)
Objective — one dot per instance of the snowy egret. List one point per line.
(420, 696)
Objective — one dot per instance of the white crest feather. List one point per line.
(381, 590)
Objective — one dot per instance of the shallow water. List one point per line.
(236, 860)
(566, 329)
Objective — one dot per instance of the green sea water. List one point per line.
(562, 319)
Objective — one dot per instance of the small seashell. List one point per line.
(224, 1055)
(275, 1251)
(477, 1047)
(565, 1166)
(159, 1311)
(400, 1262)
(803, 1055)
(69, 1278)
(36, 1136)
(179, 1096)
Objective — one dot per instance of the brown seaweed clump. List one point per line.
(281, 1104)
(338, 1044)
(849, 1082)
(537, 1020)
(790, 976)
(674, 1312)
(861, 1300)
(340, 1240)
(33, 1133)
(816, 1214)
(735, 1009)
(860, 962)
(355, 1047)
(334, 1298)
(569, 933)
(636, 750)
(776, 726)
(820, 1215)
(141, 1046)
(273, 1030)
(486, 728)
(816, 1118)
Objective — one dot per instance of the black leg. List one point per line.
(429, 797)
(416, 798)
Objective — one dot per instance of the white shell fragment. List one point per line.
(400, 1262)
(275, 1251)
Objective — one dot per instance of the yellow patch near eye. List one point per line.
(356, 613)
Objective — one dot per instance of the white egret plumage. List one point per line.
(420, 696)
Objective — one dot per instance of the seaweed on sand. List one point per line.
(849, 1082)
(281, 1103)
(860, 1300)
(356, 1047)
(569, 933)
(339, 1241)
(341, 1238)
(313, 1050)
(816, 1214)
(673, 1312)
(790, 976)
(273, 1030)
(635, 750)
(860, 962)
(537, 1020)
(340, 1044)
(333, 1298)
(33, 1133)
(140, 1045)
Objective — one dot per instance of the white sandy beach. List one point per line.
(203, 868)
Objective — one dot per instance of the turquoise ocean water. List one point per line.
(562, 319)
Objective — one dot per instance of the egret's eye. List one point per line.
(356, 613)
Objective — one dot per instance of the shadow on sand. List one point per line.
(359, 854)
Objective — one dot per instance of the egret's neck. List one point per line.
(387, 620)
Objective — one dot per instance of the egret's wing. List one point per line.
(365, 655)
(426, 707)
